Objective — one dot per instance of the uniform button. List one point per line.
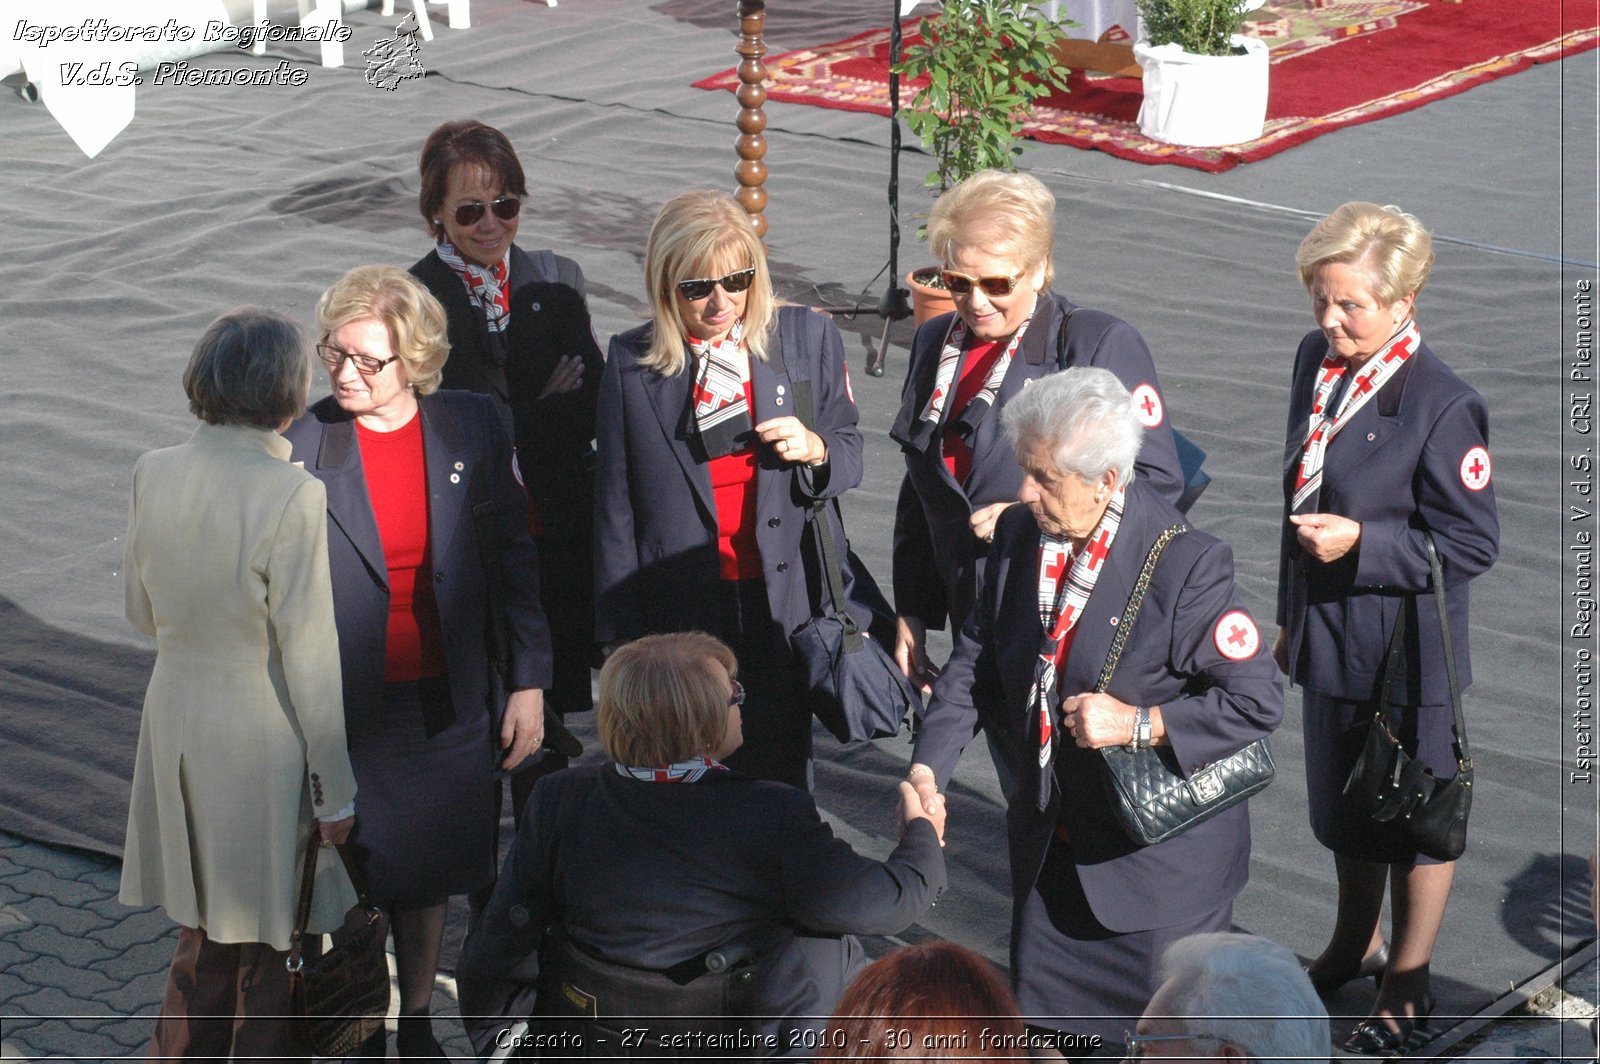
(778, 401)
(518, 916)
(455, 478)
(780, 389)
(783, 567)
(1371, 436)
(438, 578)
(774, 522)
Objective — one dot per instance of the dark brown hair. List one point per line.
(250, 367)
(934, 1000)
(471, 142)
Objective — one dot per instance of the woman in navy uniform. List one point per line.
(520, 332)
(1093, 909)
(1384, 444)
(994, 235)
(399, 460)
(706, 472)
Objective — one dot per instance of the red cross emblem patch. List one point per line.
(1147, 406)
(1236, 636)
(1475, 469)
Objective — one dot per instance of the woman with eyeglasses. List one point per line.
(418, 480)
(664, 855)
(994, 235)
(520, 331)
(706, 469)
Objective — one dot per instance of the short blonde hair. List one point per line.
(1390, 246)
(662, 699)
(417, 326)
(1004, 214)
(695, 235)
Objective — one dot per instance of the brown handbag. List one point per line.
(341, 998)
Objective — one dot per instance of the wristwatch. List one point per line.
(1141, 727)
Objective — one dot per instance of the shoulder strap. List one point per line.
(308, 879)
(1061, 338)
(1463, 754)
(817, 518)
(1135, 600)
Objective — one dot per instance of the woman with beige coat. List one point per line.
(242, 740)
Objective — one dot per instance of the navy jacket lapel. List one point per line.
(339, 466)
(444, 445)
(669, 399)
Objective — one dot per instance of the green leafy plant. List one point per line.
(1201, 27)
(986, 62)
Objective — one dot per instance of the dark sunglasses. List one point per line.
(737, 697)
(959, 284)
(505, 208)
(333, 358)
(735, 282)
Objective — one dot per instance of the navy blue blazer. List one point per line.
(1415, 457)
(937, 560)
(655, 515)
(652, 874)
(1212, 704)
(462, 437)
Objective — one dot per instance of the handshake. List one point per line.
(920, 800)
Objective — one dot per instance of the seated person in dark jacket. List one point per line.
(663, 855)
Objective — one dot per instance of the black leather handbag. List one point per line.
(1151, 799)
(1391, 787)
(339, 999)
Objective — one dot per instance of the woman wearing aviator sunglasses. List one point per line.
(520, 331)
(706, 472)
(994, 234)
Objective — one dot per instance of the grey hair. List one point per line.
(1085, 416)
(1246, 990)
(251, 366)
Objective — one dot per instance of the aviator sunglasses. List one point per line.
(733, 283)
(959, 284)
(505, 208)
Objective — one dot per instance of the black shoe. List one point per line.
(1371, 967)
(415, 1040)
(1373, 1038)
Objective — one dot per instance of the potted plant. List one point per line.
(1204, 83)
(985, 64)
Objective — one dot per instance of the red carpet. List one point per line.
(1335, 63)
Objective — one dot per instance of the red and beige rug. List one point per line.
(1335, 63)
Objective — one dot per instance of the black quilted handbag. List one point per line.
(1150, 797)
(340, 999)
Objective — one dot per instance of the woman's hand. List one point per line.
(911, 653)
(792, 441)
(566, 377)
(1096, 719)
(1326, 537)
(336, 832)
(522, 726)
(984, 518)
(1280, 651)
(915, 806)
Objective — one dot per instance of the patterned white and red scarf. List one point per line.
(944, 380)
(487, 288)
(1324, 424)
(1066, 580)
(690, 771)
(721, 413)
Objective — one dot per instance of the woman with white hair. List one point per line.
(1232, 997)
(1093, 908)
(706, 469)
(994, 235)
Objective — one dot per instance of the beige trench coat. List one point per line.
(242, 740)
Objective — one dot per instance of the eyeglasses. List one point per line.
(333, 358)
(505, 208)
(736, 697)
(1137, 1043)
(959, 284)
(733, 283)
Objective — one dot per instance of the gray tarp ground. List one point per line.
(221, 196)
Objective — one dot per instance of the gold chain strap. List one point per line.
(1135, 600)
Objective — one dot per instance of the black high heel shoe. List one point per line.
(1373, 1038)
(1370, 967)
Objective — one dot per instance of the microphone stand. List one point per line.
(894, 306)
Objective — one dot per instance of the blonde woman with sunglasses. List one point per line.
(993, 235)
(706, 469)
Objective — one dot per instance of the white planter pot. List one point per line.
(1202, 101)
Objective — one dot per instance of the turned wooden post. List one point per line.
(751, 172)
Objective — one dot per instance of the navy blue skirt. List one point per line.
(425, 815)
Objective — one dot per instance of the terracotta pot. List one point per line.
(927, 301)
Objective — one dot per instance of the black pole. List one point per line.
(894, 306)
